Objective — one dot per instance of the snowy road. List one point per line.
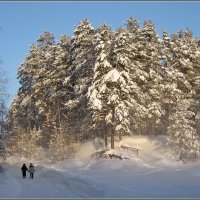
(117, 180)
(47, 183)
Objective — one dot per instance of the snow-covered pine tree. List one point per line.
(191, 53)
(170, 92)
(23, 109)
(46, 56)
(130, 95)
(81, 71)
(46, 86)
(139, 76)
(183, 62)
(175, 83)
(28, 107)
(182, 133)
(28, 103)
(97, 101)
(150, 45)
(132, 26)
(113, 90)
(58, 90)
(82, 56)
(180, 94)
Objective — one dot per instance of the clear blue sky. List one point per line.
(21, 23)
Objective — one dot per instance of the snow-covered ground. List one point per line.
(151, 174)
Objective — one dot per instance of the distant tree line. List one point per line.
(106, 83)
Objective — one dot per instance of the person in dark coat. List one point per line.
(31, 170)
(24, 169)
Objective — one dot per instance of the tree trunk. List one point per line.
(102, 131)
(58, 113)
(112, 139)
(106, 140)
(105, 135)
(120, 137)
(153, 129)
(113, 128)
(139, 129)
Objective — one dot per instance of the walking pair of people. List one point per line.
(31, 169)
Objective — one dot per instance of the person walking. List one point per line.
(31, 170)
(24, 169)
